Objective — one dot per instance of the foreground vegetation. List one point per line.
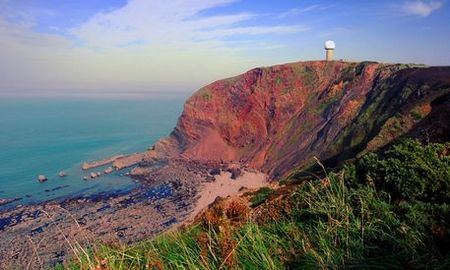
(387, 210)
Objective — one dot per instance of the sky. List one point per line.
(152, 48)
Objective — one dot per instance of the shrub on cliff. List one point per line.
(410, 171)
(416, 178)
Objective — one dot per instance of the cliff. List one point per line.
(280, 117)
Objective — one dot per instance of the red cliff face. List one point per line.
(280, 117)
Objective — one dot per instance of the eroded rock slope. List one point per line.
(280, 117)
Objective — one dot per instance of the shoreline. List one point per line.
(99, 167)
(89, 192)
(6, 207)
(171, 192)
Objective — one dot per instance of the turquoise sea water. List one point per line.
(40, 136)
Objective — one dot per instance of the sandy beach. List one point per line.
(225, 186)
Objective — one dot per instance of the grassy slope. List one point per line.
(387, 210)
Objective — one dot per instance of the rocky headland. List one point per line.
(276, 118)
(262, 125)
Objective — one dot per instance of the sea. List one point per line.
(45, 136)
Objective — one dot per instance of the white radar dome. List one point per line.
(329, 45)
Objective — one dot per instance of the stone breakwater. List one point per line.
(121, 162)
(43, 235)
(98, 163)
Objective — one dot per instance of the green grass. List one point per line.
(173, 250)
(417, 115)
(278, 81)
(260, 196)
(381, 212)
(207, 95)
(322, 106)
(307, 75)
(257, 248)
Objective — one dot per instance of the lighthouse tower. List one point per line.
(329, 48)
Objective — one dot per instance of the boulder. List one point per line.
(42, 178)
(235, 172)
(108, 170)
(62, 174)
(215, 171)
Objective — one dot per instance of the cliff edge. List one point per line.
(280, 117)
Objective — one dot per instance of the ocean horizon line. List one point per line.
(132, 96)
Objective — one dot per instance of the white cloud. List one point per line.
(34, 64)
(255, 30)
(143, 46)
(169, 22)
(420, 8)
(297, 11)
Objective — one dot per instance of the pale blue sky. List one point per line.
(150, 47)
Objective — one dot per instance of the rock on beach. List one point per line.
(108, 170)
(42, 178)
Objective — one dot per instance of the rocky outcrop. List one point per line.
(108, 170)
(280, 117)
(42, 178)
